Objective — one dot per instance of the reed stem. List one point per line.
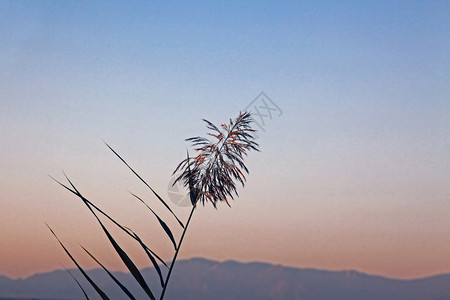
(176, 253)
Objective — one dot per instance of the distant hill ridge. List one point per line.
(203, 279)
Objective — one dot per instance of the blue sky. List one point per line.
(360, 155)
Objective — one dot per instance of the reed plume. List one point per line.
(211, 173)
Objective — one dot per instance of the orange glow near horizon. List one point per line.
(236, 234)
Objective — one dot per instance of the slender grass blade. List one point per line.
(89, 203)
(84, 292)
(160, 199)
(97, 289)
(161, 222)
(155, 264)
(126, 260)
(124, 289)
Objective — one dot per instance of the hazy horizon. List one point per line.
(354, 168)
(124, 270)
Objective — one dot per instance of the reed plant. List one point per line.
(209, 176)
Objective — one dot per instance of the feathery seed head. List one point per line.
(210, 175)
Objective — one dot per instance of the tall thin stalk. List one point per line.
(166, 281)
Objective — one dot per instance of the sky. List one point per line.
(354, 168)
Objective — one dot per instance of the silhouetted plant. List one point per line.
(209, 176)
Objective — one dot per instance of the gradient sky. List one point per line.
(355, 173)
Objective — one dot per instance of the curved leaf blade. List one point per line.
(126, 260)
(84, 292)
(122, 254)
(161, 222)
(97, 289)
(155, 264)
(140, 178)
(124, 289)
(89, 203)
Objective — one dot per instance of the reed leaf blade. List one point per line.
(96, 288)
(161, 222)
(150, 256)
(126, 260)
(122, 287)
(78, 283)
(90, 205)
(141, 179)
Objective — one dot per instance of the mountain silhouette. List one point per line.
(202, 279)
